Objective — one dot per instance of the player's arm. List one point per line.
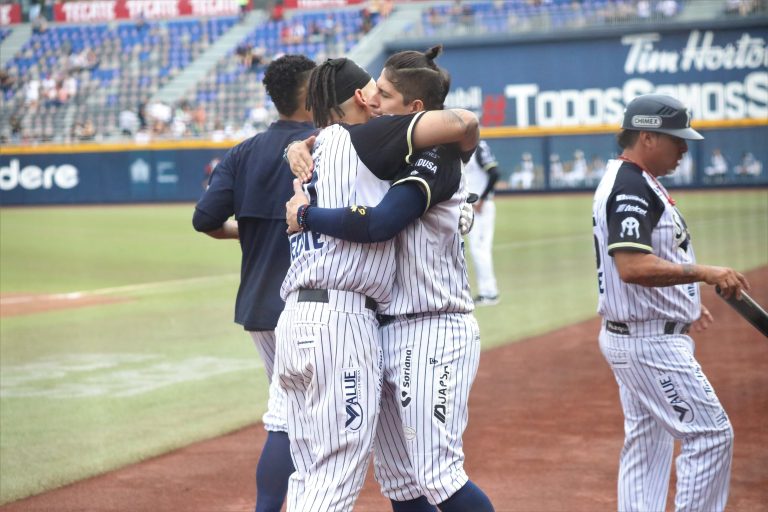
(647, 269)
(400, 206)
(216, 206)
(454, 125)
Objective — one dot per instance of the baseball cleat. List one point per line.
(482, 300)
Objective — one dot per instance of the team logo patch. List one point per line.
(405, 378)
(352, 391)
(443, 391)
(646, 121)
(681, 408)
(630, 227)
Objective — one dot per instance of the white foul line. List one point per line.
(156, 285)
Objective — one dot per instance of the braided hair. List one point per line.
(321, 94)
(284, 79)
(416, 76)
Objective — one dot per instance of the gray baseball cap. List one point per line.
(659, 113)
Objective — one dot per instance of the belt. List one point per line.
(388, 319)
(647, 328)
(321, 295)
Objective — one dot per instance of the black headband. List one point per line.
(349, 78)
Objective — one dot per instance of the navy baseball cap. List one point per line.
(659, 113)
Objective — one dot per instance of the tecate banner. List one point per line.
(107, 10)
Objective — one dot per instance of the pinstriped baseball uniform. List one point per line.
(481, 236)
(430, 349)
(664, 393)
(329, 359)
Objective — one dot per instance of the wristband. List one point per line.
(301, 217)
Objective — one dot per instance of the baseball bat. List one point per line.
(749, 309)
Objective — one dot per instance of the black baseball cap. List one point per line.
(659, 113)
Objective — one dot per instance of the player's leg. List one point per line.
(704, 463)
(679, 395)
(446, 354)
(481, 249)
(645, 462)
(335, 361)
(392, 465)
(275, 465)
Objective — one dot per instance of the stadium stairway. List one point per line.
(177, 88)
(13, 43)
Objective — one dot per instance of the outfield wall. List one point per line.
(107, 174)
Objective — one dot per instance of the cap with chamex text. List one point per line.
(659, 113)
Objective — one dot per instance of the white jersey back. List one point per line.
(476, 170)
(431, 269)
(351, 164)
(632, 211)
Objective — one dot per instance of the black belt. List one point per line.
(321, 295)
(387, 319)
(669, 327)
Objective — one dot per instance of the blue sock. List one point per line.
(272, 473)
(420, 504)
(469, 497)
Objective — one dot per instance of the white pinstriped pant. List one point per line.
(275, 418)
(329, 364)
(481, 249)
(430, 363)
(665, 396)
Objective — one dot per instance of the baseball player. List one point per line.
(252, 182)
(482, 173)
(329, 353)
(430, 339)
(649, 299)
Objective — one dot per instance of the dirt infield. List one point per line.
(544, 433)
(14, 304)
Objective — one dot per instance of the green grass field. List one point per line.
(86, 390)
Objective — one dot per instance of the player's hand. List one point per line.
(704, 321)
(292, 206)
(728, 280)
(466, 218)
(300, 159)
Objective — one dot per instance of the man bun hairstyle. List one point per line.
(416, 76)
(284, 78)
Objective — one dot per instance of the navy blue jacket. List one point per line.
(253, 182)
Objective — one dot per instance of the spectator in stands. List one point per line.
(128, 122)
(667, 8)
(276, 13)
(32, 93)
(7, 80)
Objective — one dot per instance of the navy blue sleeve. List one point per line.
(632, 212)
(218, 200)
(400, 206)
(437, 171)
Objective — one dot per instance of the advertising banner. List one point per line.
(10, 14)
(139, 175)
(107, 10)
(564, 97)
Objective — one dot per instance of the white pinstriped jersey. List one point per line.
(351, 162)
(632, 211)
(476, 170)
(431, 269)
